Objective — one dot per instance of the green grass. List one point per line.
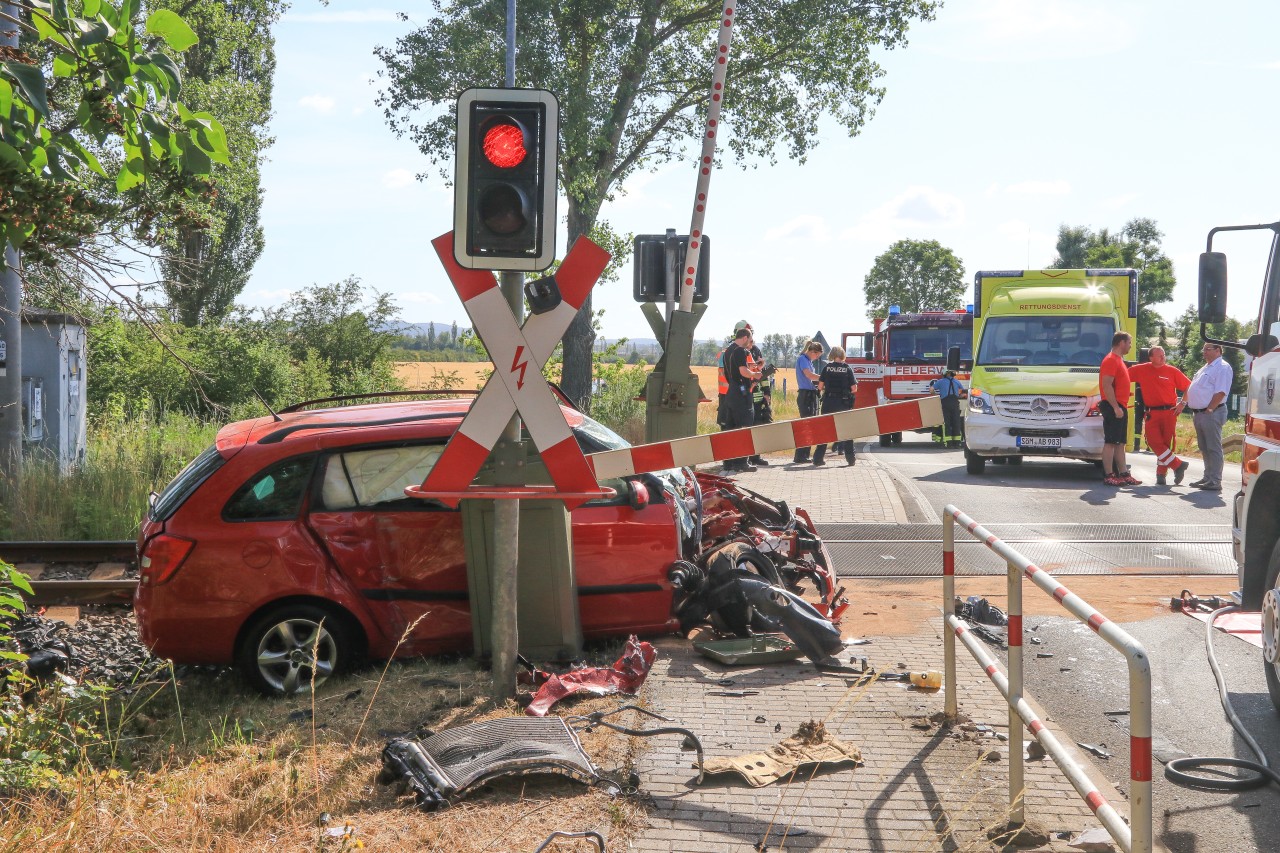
(106, 496)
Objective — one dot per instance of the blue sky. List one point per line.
(1003, 119)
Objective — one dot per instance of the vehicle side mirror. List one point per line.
(1259, 344)
(1213, 287)
(637, 495)
(1144, 355)
(868, 345)
(953, 358)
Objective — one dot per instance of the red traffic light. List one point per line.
(504, 145)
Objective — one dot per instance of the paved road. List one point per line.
(1064, 490)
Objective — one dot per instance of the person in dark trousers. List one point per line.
(807, 396)
(742, 373)
(1116, 387)
(762, 396)
(949, 389)
(838, 387)
(722, 381)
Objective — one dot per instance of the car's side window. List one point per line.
(273, 493)
(376, 478)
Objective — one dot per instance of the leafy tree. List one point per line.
(229, 72)
(916, 275)
(335, 324)
(92, 82)
(632, 80)
(1137, 245)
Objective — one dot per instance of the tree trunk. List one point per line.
(575, 378)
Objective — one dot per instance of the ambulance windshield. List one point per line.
(1054, 341)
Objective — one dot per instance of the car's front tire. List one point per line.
(285, 650)
(973, 463)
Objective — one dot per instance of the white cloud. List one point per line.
(807, 227)
(367, 16)
(1015, 30)
(319, 103)
(1120, 200)
(419, 297)
(398, 179)
(1058, 187)
(917, 210)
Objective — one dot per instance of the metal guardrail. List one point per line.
(1134, 838)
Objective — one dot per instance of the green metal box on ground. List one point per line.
(549, 627)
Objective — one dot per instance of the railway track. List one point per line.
(76, 572)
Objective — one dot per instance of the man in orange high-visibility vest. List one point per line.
(1160, 383)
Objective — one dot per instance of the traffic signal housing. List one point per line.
(504, 207)
(649, 265)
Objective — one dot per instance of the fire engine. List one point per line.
(1256, 510)
(906, 352)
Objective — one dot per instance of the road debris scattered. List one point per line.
(810, 746)
(625, 676)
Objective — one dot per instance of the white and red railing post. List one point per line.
(1137, 835)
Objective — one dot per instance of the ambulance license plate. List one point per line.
(1038, 441)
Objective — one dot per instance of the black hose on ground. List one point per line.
(1178, 770)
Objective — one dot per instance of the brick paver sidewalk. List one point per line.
(922, 788)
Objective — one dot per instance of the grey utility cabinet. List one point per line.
(53, 385)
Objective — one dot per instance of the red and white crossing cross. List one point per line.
(516, 384)
(768, 438)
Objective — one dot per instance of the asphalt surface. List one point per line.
(1086, 679)
(1052, 490)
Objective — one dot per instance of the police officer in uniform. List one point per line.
(807, 396)
(838, 387)
(742, 374)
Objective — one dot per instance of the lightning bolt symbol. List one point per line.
(521, 364)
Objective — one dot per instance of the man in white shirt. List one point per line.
(1206, 399)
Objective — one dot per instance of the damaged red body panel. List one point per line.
(625, 676)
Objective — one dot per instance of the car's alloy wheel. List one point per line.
(289, 650)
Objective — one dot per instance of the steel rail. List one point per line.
(72, 551)
(1136, 838)
(77, 592)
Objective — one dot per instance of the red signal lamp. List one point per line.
(504, 145)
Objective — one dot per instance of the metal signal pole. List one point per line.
(506, 513)
(10, 334)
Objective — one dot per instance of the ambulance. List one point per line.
(903, 354)
(1039, 338)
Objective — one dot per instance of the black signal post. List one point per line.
(505, 179)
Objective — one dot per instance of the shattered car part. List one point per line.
(744, 603)
(691, 740)
(592, 834)
(625, 676)
(810, 746)
(442, 768)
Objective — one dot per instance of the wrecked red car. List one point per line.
(291, 540)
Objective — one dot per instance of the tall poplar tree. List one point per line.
(229, 72)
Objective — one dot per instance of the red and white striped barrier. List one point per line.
(1134, 837)
(707, 158)
(767, 438)
(518, 356)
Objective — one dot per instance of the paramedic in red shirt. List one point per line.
(1160, 383)
(1114, 383)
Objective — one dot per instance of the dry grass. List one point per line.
(233, 772)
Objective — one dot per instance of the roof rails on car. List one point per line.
(434, 392)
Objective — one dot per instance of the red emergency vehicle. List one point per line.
(906, 352)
